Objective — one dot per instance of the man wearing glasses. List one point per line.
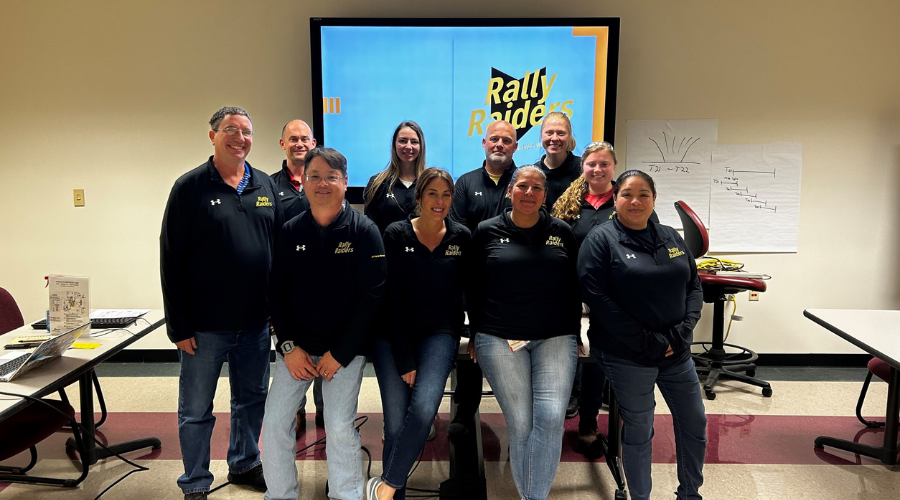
(216, 252)
(328, 280)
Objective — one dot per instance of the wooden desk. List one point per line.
(78, 365)
(877, 333)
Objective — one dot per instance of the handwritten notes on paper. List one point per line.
(755, 197)
(677, 154)
(747, 195)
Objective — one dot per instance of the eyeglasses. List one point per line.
(234, 130)
(331, 179)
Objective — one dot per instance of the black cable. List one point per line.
(84, 432)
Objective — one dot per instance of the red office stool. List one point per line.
(716, 363)
(882, 370)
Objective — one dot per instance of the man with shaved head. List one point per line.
(296, 140)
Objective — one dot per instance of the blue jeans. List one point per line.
(679, 385)
(247, 353)
(533, 386)
(342, 446)
(409, 412)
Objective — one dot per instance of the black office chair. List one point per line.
(28, 427)
(715, 362)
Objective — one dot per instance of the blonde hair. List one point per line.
(392, 172)
(568, 206)
(559, 115)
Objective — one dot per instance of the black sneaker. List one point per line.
(252, 478)
(202, 495)
(572, 409)
(587, 433)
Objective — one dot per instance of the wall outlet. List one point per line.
(79, 197)
(754, 296)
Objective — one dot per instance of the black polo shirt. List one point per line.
(390, 204)
(559, 178)
(477, 198)
(293, 200)
(425, 288)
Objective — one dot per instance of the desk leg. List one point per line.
(466, 481)
(887, 452)
(94, 453)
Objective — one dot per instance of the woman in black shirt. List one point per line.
(425, 288)
(389, 195)
(640, 281)
(525, 312)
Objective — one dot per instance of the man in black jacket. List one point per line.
(328, 281)
(296, 140)
(216, 244)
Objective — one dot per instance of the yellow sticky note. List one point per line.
(86, 345)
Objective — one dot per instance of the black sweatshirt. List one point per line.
(390, 205)
(523, 288)
(328, 284)
(216, 252)
(640, 302)
(425, 288)
(477, 198)
(293, 200)
(559, 178)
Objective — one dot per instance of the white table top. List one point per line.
(48, 378)
(875, 331)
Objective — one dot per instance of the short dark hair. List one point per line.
(220, 115)
(634, 173)
(332, 157)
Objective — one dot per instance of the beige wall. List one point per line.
(113, 97)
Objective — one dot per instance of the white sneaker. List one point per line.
(372, 488)
(431, 434)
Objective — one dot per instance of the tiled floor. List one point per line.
(759, 448)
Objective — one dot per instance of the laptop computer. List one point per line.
(14, 365)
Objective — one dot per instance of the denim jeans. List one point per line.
(680, 387)
(409, 412)
(532, 386)
(342, 445)
(247, 353)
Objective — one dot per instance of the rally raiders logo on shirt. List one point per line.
(453, 250)
(344, 247)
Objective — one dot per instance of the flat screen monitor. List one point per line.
(453, 77)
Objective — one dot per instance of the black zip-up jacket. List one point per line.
(559, 178)
(521, 288)
(215, 250)
(390, 205)
(327, 284)
(425, 288)
(476, 198)
(640, 302)
(591, 217)
(294, 201)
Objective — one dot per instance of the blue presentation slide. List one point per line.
(453, 82)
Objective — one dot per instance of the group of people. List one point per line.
(516, 249)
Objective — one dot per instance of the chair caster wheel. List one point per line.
(767, 392)
(710, 395)
(751, 373)
(620, 495)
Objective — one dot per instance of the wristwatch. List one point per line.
(287, 347)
